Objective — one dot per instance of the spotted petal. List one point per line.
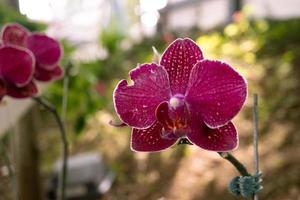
(150, 139)
(16, 65)
(13, 33)
(45, 49)
(136, 104)
(178, 59)
(28, 90)
(220, 139)
(44, 75)
(215, 93)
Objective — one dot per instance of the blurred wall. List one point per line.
(207, 14)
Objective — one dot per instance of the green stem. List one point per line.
(63, 175)
(255, 137)
(65, 91)
(235, 162)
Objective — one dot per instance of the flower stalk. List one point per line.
(235, 162)
(238, 165)
(255, 138)
(63, 175)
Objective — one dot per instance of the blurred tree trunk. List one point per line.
(26, 161)
(14, 4)
(235, 6)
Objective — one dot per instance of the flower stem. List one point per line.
(235, 162)
(255, 137)
(63, 175)
(66, 82)
(238, 165)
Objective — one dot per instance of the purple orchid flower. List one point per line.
(46, 50)
(16, 71)
(184, 96)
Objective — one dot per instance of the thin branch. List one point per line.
(237, 164)
(65, 91)
(63, 175)
(65, 98)
(255, 138)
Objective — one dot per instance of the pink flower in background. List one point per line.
(185, 96)
(24, 58)
(100, 87)
(46, 50)
(17, 66)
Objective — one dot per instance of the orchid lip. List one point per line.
(172, 134)
(174, 116)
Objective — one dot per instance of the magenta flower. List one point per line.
(46, 50)
(24, 58)
(17, 66)
(184, 96)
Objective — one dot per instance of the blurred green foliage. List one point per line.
(9, 14)
(91, 83)
(268, 52)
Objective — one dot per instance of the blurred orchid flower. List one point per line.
(46, 50)
(184, 96)
(24, 58)
(17, 66)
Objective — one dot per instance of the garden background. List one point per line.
(103, 40)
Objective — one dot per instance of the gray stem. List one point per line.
(63, 175)
(235, 162)
(255, 138)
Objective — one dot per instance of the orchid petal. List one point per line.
(15, 34)
(150, 139)
(215, 93)
(28, 90)
(16, 65)
(45, 49)
(178, 59)
(136, 104)
(44, 75)
(220, 139)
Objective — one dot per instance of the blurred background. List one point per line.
(102, 41)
